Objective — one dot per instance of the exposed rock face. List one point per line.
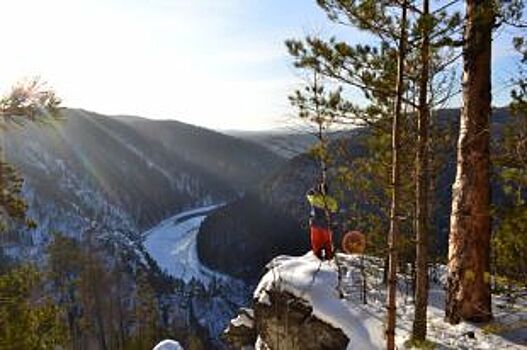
(287, 323)
(241, 333)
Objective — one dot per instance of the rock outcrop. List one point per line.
(298, 305)
(241, 332)
(295, 307)
(288, 322)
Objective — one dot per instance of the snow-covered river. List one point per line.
(172, 244)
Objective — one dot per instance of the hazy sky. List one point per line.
(217, 63)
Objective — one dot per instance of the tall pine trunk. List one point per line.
(468, 294)
(422, 183)
(396, 187)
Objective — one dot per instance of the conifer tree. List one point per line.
(372, 69)
(510, 239)
(28, 319)
(422, 180)
(146, 313)
(469, 290)
(396, 178)
(27, 101)
(64, 268)
(469, 243)
(93, 289)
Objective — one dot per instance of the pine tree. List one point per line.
(372, 69)
(146, 314)
(27, 101)
(394, 233)
(94, 290)
(468, 294)
(65, 264)
(510, 239)
(422, 181)
(28, 319)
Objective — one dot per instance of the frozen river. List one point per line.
(172, 244)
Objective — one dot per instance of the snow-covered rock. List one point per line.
(241, 333)
(288, 322)
(297, 303)
(305, 286)
(168, 344)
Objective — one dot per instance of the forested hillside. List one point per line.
(279, 210)
(94, 185)
(128, 172)
(357, 181)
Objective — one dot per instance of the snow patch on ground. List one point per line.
(168, 345)
(316, 282)
(260, 344)
(243, 320)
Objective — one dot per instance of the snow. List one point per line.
(260, 344)
(167, 223)
(307, 278)
(172, 244)
(168, 344)
(316, 282)
(243, 320)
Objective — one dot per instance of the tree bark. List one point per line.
(422, 183)
(468, 295)
(395, 205)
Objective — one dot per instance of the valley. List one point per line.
(201, 221)
(137, 191)
(263, 175)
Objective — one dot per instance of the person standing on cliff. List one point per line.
(323, 207)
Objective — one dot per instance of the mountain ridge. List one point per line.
(127, 172)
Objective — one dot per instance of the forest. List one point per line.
(406, 78)
(424, 77)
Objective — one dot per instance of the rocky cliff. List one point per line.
(298, 304)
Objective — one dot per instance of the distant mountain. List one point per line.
(128, 173)
(106, 180)
(243, 236)
(285, 143)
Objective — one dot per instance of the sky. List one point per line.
(221, 64)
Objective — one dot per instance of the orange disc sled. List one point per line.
(354, 242)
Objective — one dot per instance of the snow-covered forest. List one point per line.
(386, 210)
